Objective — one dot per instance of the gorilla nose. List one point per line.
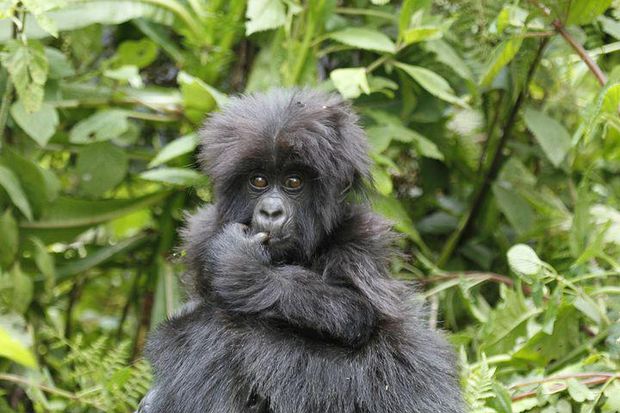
(271, 208)
(270, 214)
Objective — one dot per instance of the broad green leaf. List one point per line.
(391, 128)
(612, 404)
(15, 351)
(177, 147)
(584, 11)
(501, 56)
(550, 135)
(101, 126)
(79, 14)
(422, 33)
(40, 125)
(579, 391)
(44, 261)
(100, 255)
(610, 26)
(432, 82)
(20, 289)
(364, 38)
(350, 82)
(516, 209)
(523, 260)
(59, 65)
(382, 181)
(507, 322)
(27, 65)
(100, 167)
(446, 54)
(392, 209)
(543, 348)
(9, 236)
(264, 15)
(11, 185)
(198, 97)
(174, 176)
(40, 185)
(138, 53)
(611, 101)
(75, 213)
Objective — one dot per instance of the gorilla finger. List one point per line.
(261, 237)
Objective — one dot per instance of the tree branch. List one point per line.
(583, 54)
(481, 192)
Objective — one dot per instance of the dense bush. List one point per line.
(495, 132)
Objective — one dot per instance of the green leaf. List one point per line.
(40, 125)
(364, 38)
(432, 82)
(392, 209)
(79, 14)
(100, 167)
(198, 97)
(10, 239)
(138, 53)
(59, 65)
(507, 322)
(100, 256)
(516, 208)
(543, 348)
(579, 391)
(11, 185)
(174, 176)
(27, 65)
(584, 11)
(382, 181)
(101, 126)
(264, 15)
(74, 213)
(612, 404)
(523, 260)
(20, 289)
(44, 260)
(391, 128)
(15, 351)
(550, 135)
(422, 33)
(40, 185)
(350, 82)
(177, 147)
(501, 56)
(611, 100)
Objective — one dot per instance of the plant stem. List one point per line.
(583, 54)
(7, 97)
(481, 192)
(365, 12)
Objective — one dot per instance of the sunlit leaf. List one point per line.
(364, 38)
(550, 135)
(14, 350)
(432, 82)
(40, 125)
(264, 15)
(11, 185)
(350, 82)
(502, 55)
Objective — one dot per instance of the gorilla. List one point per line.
(292, 308)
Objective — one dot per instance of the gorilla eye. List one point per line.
(292, 182)
(259, 182)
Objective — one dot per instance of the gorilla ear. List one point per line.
(353, 153)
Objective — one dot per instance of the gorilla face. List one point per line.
(282, 163)
(281, 200)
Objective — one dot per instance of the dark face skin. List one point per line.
(280, 199)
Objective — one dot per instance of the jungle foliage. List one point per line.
(494, 128)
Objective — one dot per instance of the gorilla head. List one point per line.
(283, 163)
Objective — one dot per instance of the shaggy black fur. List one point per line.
(311, 325)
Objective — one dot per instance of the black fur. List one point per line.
(321, 329)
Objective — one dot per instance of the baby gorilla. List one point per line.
(293, 309)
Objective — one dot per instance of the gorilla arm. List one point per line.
(329, 305)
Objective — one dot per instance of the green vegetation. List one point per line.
(494, 128)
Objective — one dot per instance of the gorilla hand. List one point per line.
(238, 262)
